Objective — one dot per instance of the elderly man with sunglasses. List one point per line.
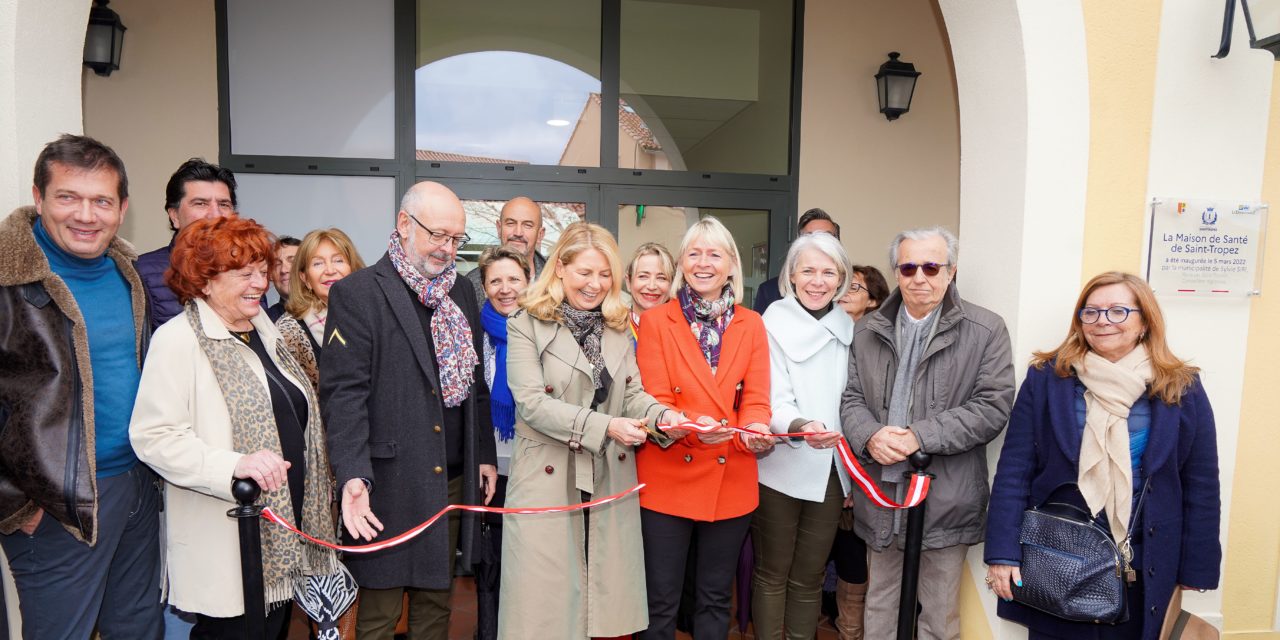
(928, 372)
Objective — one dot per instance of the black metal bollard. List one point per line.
(246, 493)
(911, 555)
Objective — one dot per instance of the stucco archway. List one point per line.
(1022, 79)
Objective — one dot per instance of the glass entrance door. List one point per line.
(663, 216)
(561, 205)
(634, 215)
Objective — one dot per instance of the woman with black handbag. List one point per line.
(1114, 412)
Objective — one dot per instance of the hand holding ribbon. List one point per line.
(757, 437)
(820, 437)
(709, 431)
(917, 490)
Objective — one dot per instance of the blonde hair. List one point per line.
(543, 297)
(1171, 375)
(711, 229)
(302, 298)
(653, 249)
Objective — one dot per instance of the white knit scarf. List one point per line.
(1106, 471)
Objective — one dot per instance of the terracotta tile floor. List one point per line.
(462, 625)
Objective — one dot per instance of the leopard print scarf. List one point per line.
(286, 560)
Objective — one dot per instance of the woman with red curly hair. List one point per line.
(220, 399)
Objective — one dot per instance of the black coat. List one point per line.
(380, 397)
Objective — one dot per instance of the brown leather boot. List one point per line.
(850, 600)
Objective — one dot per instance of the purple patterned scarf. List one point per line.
(455, 352)
(707, 319)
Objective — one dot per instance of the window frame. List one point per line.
(715, 189)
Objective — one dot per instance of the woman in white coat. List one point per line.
(220, 399)
(802, 483)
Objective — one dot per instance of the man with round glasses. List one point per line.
(931, 372)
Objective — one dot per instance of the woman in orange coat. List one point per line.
(708, 357)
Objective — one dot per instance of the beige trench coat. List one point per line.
(560, 580)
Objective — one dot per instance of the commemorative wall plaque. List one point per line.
(1206, 247)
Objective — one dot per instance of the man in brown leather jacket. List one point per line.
(78, 514)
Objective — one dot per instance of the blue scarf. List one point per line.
(502, 406)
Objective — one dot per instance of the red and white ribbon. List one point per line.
(917, 490)
(270, 515)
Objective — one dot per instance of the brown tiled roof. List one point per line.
(428, 155)
(633, 124)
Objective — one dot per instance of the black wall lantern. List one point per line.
(104, 40)
(1264, 27)
(896, 84)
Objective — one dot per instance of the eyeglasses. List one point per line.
(439, 237)
(931, 269)
(1115, 315)
(855, 287)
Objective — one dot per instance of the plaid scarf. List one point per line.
(451, 334)
(285, 558)
(708, 319)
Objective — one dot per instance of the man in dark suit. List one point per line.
(812, 221)
(407, 413)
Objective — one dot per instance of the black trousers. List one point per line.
(210, 628)
(666, 547)
(849, 553)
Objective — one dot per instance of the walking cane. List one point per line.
(911, 556)
(246, 493)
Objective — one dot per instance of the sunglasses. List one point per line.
(930, 268)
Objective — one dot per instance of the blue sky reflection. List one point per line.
(496, 104)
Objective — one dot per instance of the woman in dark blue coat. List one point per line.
(1113, 410)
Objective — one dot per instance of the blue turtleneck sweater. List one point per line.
(102, 294)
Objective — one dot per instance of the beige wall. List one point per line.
(41, 46)
(873, 176)
(161, 107)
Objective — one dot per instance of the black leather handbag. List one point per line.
(1071, 566)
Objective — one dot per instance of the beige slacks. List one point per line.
(938, 593)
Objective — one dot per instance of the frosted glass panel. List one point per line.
(362, 206)
(311, 77)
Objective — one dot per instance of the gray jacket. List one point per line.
(963, 393)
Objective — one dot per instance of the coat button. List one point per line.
(724, 422)
(720, 459)
(1151, 571)
(1153, 610)
(433, 392)
(438, 470)
(688, 457)
(436, 428)
(549, 469)
(622, 456)
(1151, 531)
(677, 389)
(628, 379)
(549, 389)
